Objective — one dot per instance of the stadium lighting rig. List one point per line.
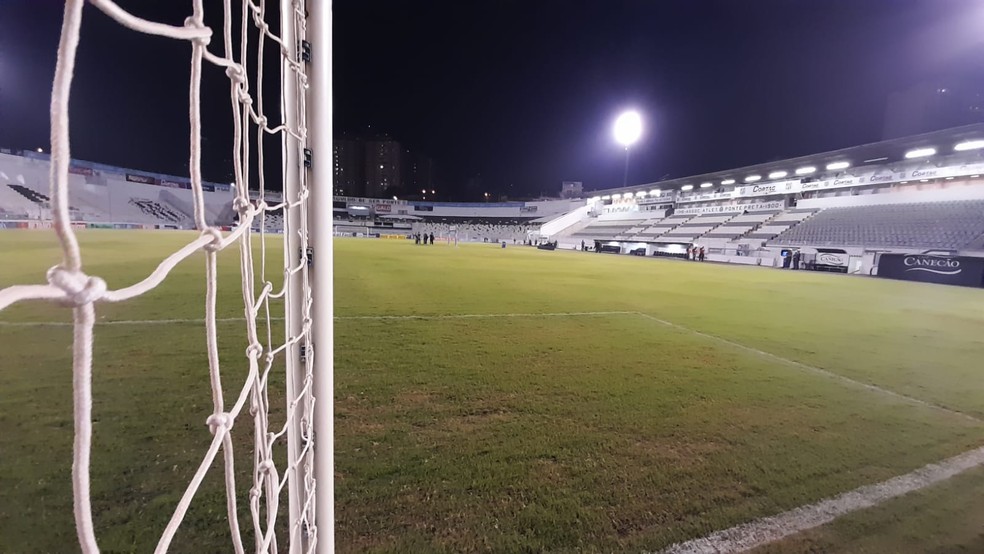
(920, 153)
(627, 130)
(969, 145)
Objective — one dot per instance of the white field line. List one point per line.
(747, 536)
(339, 318)
(816, 370)
(483, 316)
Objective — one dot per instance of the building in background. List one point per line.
(423, 175)
(349, 167)
(379, 166)
(386, 166)
(571, 189)
(931, 106)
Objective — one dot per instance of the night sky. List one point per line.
(522, 92)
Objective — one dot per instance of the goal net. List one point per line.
(286, 303)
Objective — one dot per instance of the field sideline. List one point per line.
(611, 403)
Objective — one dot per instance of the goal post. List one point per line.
(320, 127)
(302, 41)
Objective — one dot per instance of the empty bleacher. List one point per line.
(30, 194)
(944, 225)
(157, 210)
(776, 226)
(692, 228)
(609, 229)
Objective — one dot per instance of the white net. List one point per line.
(292, 442)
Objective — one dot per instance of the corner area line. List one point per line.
(814, 369)
(747, 536)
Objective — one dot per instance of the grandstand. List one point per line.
(106, 196)
(852, 204)
(955, 225)
(858, 211)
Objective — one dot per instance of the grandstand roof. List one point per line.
(884, 152)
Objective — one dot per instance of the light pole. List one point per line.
(627, 130)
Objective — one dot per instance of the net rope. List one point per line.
(69, 285)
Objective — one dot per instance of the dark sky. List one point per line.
(523, 92)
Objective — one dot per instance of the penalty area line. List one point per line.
(408, 317)
(747, 536)
(815, 370)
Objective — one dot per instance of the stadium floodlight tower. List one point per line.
(627, 130)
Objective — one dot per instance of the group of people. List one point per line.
(695, 253)
(791, 260)
(417, 237)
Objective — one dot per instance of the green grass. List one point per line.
(593, 433)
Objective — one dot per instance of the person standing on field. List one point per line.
(432, 238)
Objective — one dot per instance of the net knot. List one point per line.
(216, 243)
(221, 420)
(254, 350)
(241, 205)
(244, 97)
(266, 466)
(79, 288)
(235, 73)
(191, 22)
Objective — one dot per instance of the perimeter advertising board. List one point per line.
(946, 270)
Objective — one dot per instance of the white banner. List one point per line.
(703, 197)
(663, 197)
(778, 187)
(836, 260)
(775, 205)
(871, 177)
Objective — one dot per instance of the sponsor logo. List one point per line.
(80, 170)
(923, 173)
(881, 178)
(842, 182)
(830, 259)
(141, 179)
(930, 264)
(763, 189)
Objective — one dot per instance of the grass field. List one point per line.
(598, 431)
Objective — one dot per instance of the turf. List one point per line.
(590, 433)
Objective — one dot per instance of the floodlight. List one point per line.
(969, 145)
(920, 153)
(628, 128)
